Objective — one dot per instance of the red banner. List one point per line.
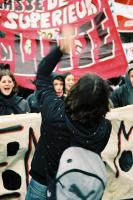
(124, 15)
(29, 29)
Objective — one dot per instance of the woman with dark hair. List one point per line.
(69, 81)
(78, 121)
(10, 103)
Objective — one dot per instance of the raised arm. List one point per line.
(47, 99)
(49, 62)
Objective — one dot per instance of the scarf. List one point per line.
(10, 104)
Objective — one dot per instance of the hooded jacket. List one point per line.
(58, 132)
(123, 95)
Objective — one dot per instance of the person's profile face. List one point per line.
(6, 85)
(58, 86)
(131, 77)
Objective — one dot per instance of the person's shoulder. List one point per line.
(24, 105)
(21, 100)
(119, 89)
(30, 96)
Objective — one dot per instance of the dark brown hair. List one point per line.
(88, 99)
(4, 71)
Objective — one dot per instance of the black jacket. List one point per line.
(123, 95)
(13, 104)
(33, 104)
(57, 130)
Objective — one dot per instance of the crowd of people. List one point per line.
(73, 113)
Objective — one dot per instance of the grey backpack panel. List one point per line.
(81, 175)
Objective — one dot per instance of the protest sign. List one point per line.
(123, 15)
(30, 29)
(19, 136)
(118, 155)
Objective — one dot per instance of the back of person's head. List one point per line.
(5, 71)
(88, 99)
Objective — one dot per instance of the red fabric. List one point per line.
(30, 29)
(127, 2)
(124, 24)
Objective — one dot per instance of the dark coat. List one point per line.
(119, 96)
(58, 132)
(123, 95)
(13, 104)
(32, 101)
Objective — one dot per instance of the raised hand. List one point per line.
(67, 41)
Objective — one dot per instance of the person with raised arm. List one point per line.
(79, 120)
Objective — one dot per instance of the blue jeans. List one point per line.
(36, 191)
